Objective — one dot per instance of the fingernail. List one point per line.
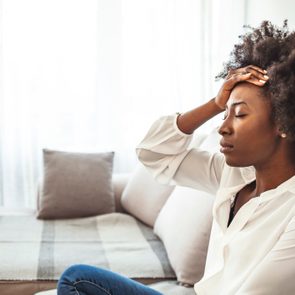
(262, 81)
(266, 77)
(265, 71)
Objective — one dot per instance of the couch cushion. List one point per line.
(184, 226)
(143, 197)
(34, 249)
(76, 185)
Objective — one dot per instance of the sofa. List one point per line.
(156, 234)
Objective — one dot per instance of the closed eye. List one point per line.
(237, 116)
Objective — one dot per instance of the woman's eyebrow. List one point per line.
(236, 103)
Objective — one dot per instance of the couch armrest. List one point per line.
(119, 182)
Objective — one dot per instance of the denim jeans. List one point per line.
(90, 280)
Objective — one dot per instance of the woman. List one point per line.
(252, 242)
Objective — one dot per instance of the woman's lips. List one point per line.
(226, 147)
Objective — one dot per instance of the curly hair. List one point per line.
(272, 48)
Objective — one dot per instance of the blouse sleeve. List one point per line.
(275, 274)
(166, 154)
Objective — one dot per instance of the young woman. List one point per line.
(252, 242)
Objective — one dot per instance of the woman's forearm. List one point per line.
(188, 122)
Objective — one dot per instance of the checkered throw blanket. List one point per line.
(32, 249)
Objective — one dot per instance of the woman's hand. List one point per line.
(251, 74)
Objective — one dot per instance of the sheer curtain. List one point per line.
(92, 75)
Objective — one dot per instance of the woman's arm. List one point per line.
(191, 120)
(164, 150)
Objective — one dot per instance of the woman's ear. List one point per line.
(281, 133)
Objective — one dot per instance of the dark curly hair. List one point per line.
(271, 48)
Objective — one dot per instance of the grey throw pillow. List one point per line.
(76, 185)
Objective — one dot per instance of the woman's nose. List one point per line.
(225, 128)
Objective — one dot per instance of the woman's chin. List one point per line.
(230, 161)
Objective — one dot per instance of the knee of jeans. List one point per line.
(71, 275)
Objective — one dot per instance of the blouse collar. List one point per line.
(225, 196)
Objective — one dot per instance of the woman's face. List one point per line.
(249, 135)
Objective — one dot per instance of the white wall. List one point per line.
(274, 10)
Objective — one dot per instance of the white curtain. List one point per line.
(92, 75)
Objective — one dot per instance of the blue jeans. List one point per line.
(90, 280)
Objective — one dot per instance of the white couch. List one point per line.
(162, 232)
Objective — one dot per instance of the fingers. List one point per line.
(257, 69)
(257, 82)
(250, 74)
(243, 76)
(257, 73)
(239, 77)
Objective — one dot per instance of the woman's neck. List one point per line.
(274, 173)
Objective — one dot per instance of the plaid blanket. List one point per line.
(32, 249)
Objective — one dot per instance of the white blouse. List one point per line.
(256, 253)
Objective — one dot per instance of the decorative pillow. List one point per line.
(143, 197)
(184, 226)
(76, 185)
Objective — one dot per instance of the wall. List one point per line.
(273, 10)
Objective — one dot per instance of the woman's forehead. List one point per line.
(246, 94)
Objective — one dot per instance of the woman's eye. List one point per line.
(240, 115)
